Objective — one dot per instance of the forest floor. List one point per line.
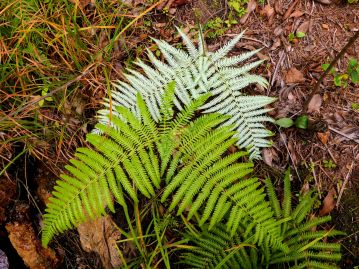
(37, 138)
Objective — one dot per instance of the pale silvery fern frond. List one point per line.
(195, 72)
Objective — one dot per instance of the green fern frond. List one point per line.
(197, 72)
(135, 155)
(215, 248)
(306, 248)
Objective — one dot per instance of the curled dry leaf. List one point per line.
(328, 203)
(323, 137)
(315, 103)
(293, 75)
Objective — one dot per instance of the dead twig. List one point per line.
(317, 184)
(279, 63)
(342, 134)
(345, 183)
(316, 88)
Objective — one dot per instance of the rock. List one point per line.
(4, 263)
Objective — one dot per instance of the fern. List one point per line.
(307, 247)
(136, 157)
(196, 72)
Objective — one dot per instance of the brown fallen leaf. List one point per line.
(278, 7)
(304, 27)
(290, 9)
(315, 103)
(293, 75)
(100, 236)
(325, 2)
(251, 6)
(296, 14)
(259, 55)
(23, 238)
(328, 203)
(268, 11)
(267, 156)
(276, 44)
(325, 26)
(323, 137)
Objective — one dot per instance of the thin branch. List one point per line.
(316, 88)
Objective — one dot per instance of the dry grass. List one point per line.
(57, 60)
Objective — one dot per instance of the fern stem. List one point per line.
(134, 235)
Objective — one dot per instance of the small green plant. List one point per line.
(294, 36)
(352, 1)
(329, 164)
(300, 122)
(354, 106)
(351, 75)
(217, 27)
(238, 6)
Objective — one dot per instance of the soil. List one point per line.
(325, 156)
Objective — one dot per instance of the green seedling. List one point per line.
(217, 27)
(354, 106)
(294, 36)
(300, 122)
(238, 6)
(329, 164)
(351, 75)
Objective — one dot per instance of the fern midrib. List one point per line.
(247, 212)
(237, 104)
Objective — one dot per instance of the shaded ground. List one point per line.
(324, 157)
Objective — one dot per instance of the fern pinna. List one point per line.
(183, 154)
(197, 71)
(307, 245)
